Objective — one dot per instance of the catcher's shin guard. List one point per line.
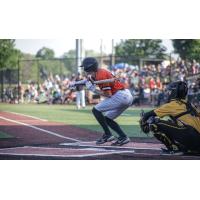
(153, 128)
(166, 141)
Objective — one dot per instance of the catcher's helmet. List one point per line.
(178, 90)
(90, 64)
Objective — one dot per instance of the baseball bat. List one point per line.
(83, 82)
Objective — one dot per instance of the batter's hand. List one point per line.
(90, 86)
(72, 85)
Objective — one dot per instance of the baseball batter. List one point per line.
(117, 100)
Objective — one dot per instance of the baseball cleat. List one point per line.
(171, 152)
(105, 138)
(121, 141)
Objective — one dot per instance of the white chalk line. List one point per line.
(63, 156)
(40, 129)
(30, 116)
(90, 155)
(103, 146)
(89, 149)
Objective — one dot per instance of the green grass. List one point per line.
(68, 114)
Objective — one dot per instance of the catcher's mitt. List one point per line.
(144, 126)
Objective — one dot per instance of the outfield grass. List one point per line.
(68, 114)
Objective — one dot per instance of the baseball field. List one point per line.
(31, 131)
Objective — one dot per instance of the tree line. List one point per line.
(188, 49)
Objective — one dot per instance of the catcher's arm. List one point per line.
(198, 112)
(144, 126)
(144, 120)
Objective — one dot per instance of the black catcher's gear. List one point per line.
(144, 126)
(90, 64)
(146, 121)
(178, 90)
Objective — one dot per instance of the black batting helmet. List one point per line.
(178, 90)
(90, 64)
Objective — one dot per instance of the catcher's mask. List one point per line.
(177, 90)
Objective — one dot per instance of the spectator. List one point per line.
(80, 93)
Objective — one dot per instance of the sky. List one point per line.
(60, 46)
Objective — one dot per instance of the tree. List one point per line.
(141, 48)
(8, 59)
(45, 53)
(28, 68)
(69, 60)
(187, 49)
(8, 54)
(92, 53)
(13, 61)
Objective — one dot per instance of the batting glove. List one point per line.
(72, 85)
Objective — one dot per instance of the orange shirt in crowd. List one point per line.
(152, 84)
(108, 88)
(159, 84)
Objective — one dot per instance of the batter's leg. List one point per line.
(115, 126)
(123, 139)
(107, 137)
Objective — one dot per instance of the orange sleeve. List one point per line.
(105, 87)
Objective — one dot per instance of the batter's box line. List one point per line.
(108, 152)
(78, 144)
(40, 129)
(25, 115)
(56, 148)
(61, 155)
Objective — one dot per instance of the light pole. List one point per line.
(101, 52)
(113, 53)
(170, 63)
(78, 54)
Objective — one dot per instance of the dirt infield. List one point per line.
(35, 138)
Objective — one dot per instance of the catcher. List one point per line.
(181, 133)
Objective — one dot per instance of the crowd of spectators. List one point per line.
(53, 90)
(147, 84)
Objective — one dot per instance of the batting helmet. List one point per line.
(178, 90)
(90, 64)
